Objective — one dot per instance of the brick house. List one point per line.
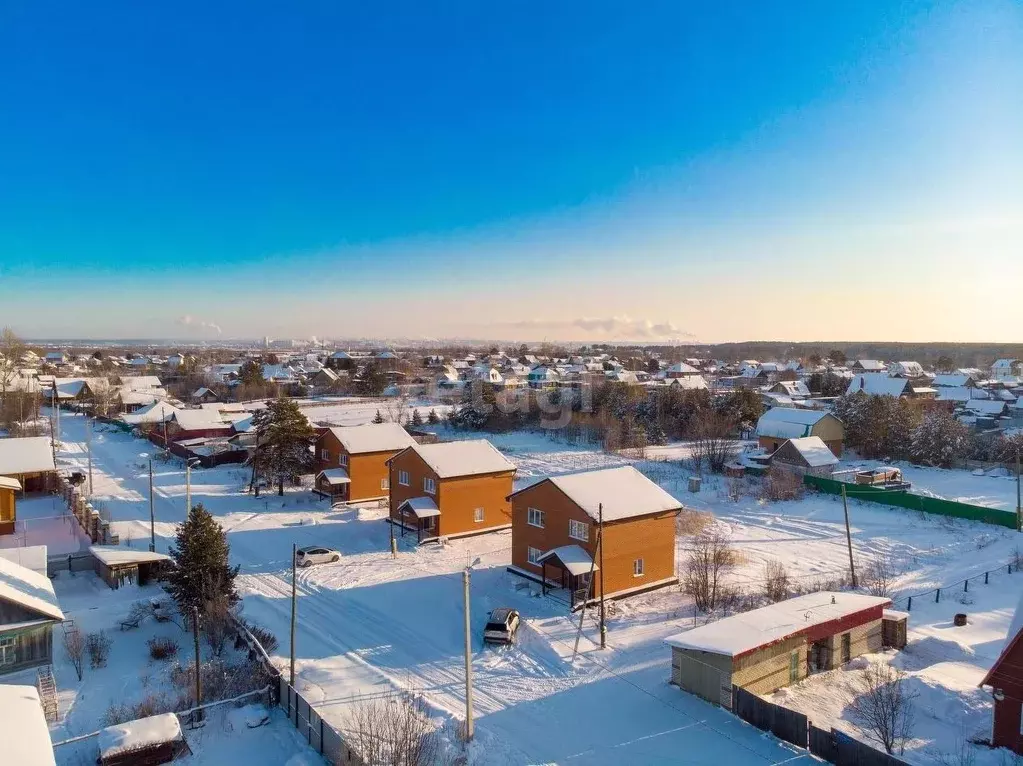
(1005, 679)
(450, 489)
(351, 461)
(765, 649)
(555, 524)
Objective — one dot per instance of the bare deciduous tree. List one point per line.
(776, 581)
(216, 622)
(885, 705)
(712, 448)
(98, 646)
(878, 576)
(396, 731)
(74, 646)
(710, 557)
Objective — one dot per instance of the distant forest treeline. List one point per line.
(964, 354)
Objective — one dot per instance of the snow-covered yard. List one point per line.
(371, 625)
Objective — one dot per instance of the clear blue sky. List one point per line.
(517, 170)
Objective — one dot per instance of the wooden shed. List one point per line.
(117, 565)
(8, 516)
(145, 742)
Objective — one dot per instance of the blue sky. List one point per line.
(719, 171)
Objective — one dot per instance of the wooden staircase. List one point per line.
(47, 692)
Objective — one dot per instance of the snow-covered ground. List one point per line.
(371, 625)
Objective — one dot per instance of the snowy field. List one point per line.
(371, 625)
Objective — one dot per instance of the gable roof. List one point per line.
(813, 450)
(877, 384)
(789, 422)
(623, 492)
(28, 589)
(373, 437)
(872, 365)
(463, 458)
(27, 454)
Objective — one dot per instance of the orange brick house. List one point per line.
(554, 533)
(351, 461)
(450, 489)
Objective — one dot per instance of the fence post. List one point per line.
(937, 595)
(909, 604)
(966, 586)
(985, 578)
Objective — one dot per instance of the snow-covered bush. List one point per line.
(940, 440)
(98, 645)
(162, 648)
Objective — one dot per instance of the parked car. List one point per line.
(502, 625)
(310, 555)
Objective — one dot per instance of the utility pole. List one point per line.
(152, 511)
(188, 485)
(198, 674)
(1019, 505)
(294, 606)
(848, 537)
(88, 448)
(56, 407)
(600, 550)
(469, 726)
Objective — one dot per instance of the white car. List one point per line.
(502, 624)
(306, 557)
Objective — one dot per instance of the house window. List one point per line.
(846, 648)
(533, 554)
(403, 478)
(344, 458)
(535, 517)
(578, 530)
(324, 454)
(477, 515)
(429, 486)
(385, 484)
(638, 568)
(8, 651)
(793, 667)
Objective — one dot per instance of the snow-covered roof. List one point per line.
(742, 633)
(423, 507)
(114, 555)
(788, 422)
(814, 451)
(623, 492)
(27, 740)
(141, 382)
(871, 365)
(463, 458)
(27, 454)
(373, 437)
(138, 735)
(335, 476)
(572, 557)
(961, 394)
(201, 392)
(950, 380)
(794, 387)
(683, 369)
(31, 590)
(877, 384)
(157, 412)
(689, 382)
(29, 556)
(1010, 640)
(985, 406)
(9, 482)
(200, 420)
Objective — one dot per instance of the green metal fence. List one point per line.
(913, 502)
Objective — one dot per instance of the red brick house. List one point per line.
(1005, 680)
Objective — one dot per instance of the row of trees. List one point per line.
(886, 427)
(615, 415)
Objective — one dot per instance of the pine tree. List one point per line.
(432, 418)
(200, 572)
(283, 436)
(378, 418)
(940, 440)
(416, 420)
